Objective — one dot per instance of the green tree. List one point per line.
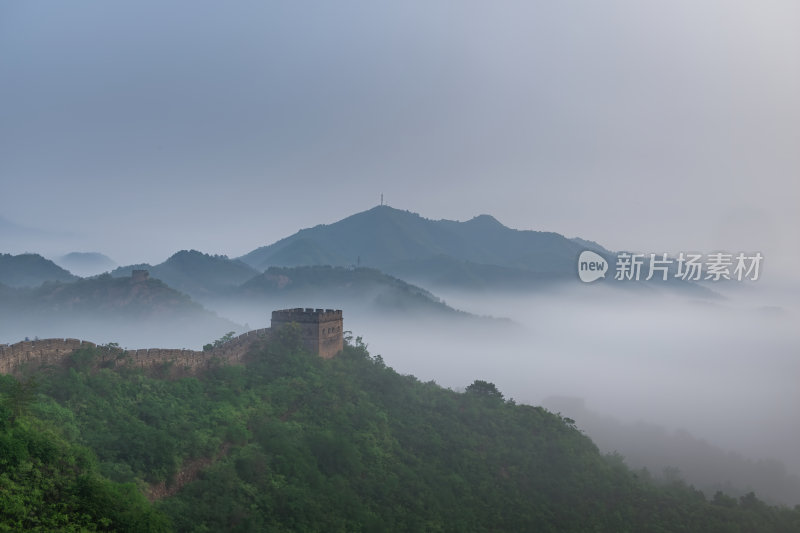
(219, 342)
(484, 388)
(18, 396)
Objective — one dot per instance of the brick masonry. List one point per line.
(321, 332)
(321, 329)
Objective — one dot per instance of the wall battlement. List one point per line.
(307, 315)
(57, 351)
(319, 330)
(42, 351)
(140, 275)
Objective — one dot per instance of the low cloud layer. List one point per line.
(726, 370)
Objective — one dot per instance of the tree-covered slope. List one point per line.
(680, 454)
(196, 273)
(107, 309)
(30, 270)
(49, 484)
(361, 290)
(292, 442)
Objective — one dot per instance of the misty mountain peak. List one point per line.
(86, 263)
(193, 255)
(196, 273)
(486, 221)
(407, 245)
(30, 270)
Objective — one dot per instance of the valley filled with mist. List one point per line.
(723, 370)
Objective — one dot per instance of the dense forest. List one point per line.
(293, 442)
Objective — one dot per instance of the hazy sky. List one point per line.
(140, 128)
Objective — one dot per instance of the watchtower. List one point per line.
(139, 276)
(321, 329)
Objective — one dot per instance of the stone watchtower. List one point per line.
(139, 276)
(321, 329)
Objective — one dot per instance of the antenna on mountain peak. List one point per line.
(381, 199)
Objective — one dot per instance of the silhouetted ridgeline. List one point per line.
(56, 351)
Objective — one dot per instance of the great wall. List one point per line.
(321, 333)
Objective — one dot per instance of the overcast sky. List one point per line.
(140, 128)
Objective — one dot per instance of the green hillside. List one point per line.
(49, 484)
(196, 273)
(292, 442)
(113, 308)
(704, 465)
(30, 270)
(358, 289)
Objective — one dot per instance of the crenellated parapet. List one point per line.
(39, 352)
(321, 331)
(57, 351)
(306, 315)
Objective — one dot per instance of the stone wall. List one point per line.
(321, 331)
(57, 351)
(47, 351)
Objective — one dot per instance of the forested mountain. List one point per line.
(293, 442)
(196, 273)
(357, 289)
(680, 454)
(123, 309)
(479, 251)
(116, 307)
(230, 286)
(30, 270)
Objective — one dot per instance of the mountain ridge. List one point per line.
(397, 242)
(195, 273)
(30, 270)
(122, 308)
